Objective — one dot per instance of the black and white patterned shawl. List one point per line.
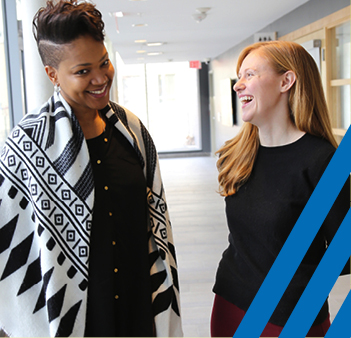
(46, 205)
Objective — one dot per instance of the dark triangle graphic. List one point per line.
(18, 256)
(65, 328)
(55, 303)
(33, 276)
(34, 129)
(41, 299)
(30, 131)
(6, 234)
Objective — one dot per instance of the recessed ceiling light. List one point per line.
(139, 25)
(154, 53)
(141, 51)
(154, 44)
(117, 14)
(139, 41)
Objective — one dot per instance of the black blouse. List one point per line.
(119, 291)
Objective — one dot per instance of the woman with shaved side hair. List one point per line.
(267, 174)
(86, 245)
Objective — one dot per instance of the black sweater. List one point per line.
(262, 214)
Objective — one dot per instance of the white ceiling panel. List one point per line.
(228, 22)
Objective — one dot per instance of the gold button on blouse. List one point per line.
(110, 213)
(115, 270)
(98, 161)
(106, 187)
(113, 243)
(105, 139)
(116, 297)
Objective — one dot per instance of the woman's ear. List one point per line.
(52, 74)
(288, 80)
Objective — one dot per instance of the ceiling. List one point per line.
(228, 22)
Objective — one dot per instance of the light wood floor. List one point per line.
(200, 234)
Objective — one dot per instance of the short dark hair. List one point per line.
(63, 22)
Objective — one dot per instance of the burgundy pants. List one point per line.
(226, 318)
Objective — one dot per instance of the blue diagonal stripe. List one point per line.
(341, 327)
(303, 233)
(321, 283)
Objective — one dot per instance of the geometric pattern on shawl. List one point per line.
(46, 204)
(45, 218)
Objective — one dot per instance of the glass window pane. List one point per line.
(4, 103)
(341, 54)
(173, 108)
(132, 90)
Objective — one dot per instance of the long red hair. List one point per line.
(307, 106)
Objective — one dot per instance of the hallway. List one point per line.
(200, 234)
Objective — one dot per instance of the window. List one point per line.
(165, 97)
(333, 32)
(4, 102)
(339, 70)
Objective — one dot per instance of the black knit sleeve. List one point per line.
(322, 155)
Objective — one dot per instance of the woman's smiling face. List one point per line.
(258, 89)
(84, 75)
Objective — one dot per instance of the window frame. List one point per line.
(13, 63)
(327, 24)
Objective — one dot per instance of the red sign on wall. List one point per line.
(195, 64)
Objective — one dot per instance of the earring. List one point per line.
(56, 88)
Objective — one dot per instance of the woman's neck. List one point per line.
(279, 135)
(92, 125)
